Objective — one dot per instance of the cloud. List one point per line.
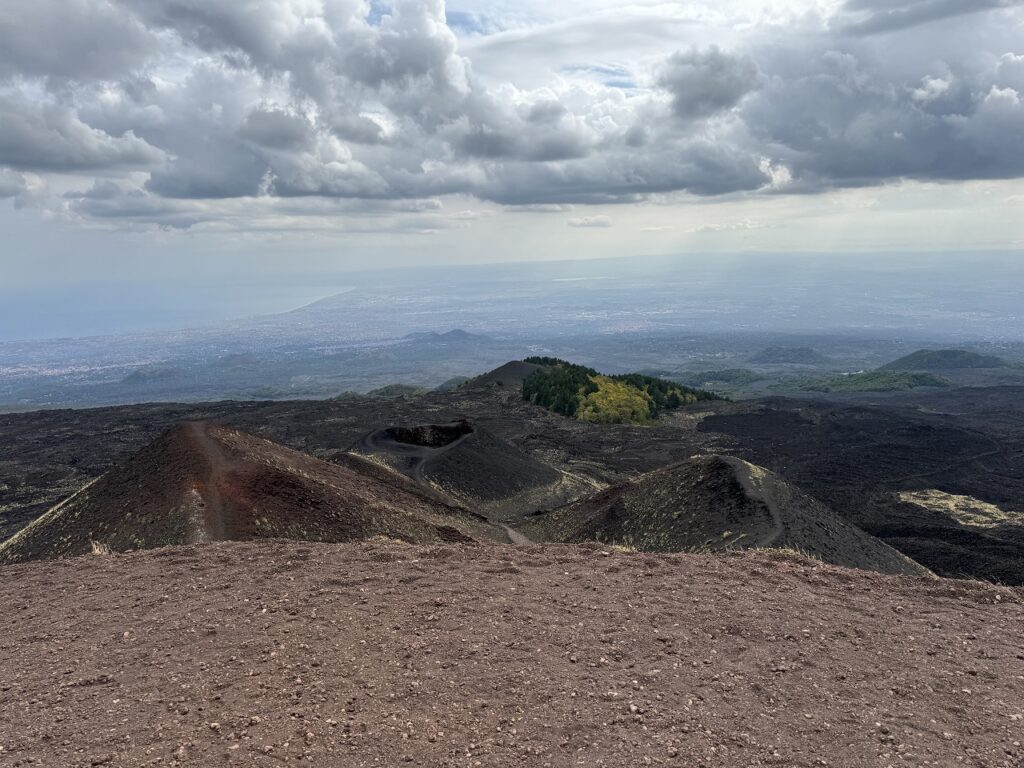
(277, 129)
(11, 183)
(732, 226)
(590, 221)
(45, 136)
(302, 105)
(880, 16)
(847, 117)
(540, 208)
(703, 83)
(72, 39)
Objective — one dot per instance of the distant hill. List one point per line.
(717, 503)
(870, 381)
(199, 482)
(734, 377)
(583, 393)
(943, 360)
(450, 337)
(151, 374)
(451, 384)
(391, 391)
(789, 356)
(511, 375)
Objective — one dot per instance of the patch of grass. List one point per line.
(966, 510)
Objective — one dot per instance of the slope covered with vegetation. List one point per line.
(583, 393)
(731, 376)
(943, 360)
(870, 381)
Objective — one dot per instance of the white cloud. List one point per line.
(590, 221)
(742, 225)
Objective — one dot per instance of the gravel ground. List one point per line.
(385, 654)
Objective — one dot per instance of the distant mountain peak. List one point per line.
(454, 335)
(943, 360)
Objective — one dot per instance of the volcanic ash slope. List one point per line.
(200, 482)
(717, 503)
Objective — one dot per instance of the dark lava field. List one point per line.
(938, 476)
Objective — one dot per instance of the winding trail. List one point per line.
(517, 538)
(745, 476)
(422, 456)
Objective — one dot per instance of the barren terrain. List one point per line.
(198, 482)
(717, 504)
(382, 654)
(859, 458)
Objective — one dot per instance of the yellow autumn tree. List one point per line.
(614, 403)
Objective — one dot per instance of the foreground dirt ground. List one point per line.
(384, 654)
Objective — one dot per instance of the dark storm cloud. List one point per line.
(276, 129)
(891, 15)
(838, 118)
(703, 83)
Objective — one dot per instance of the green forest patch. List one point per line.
(582, 393)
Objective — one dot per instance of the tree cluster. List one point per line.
(581, 392)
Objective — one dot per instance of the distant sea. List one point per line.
(97, 310)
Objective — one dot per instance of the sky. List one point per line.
(176, 142)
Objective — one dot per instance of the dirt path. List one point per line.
(757, 491)
(517, 538)
(212, 525)
(422, 457)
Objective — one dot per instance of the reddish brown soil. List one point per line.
(384, 654)
(200, 482)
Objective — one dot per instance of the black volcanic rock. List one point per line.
(511, 375)
(472, 467)
(715, 504)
